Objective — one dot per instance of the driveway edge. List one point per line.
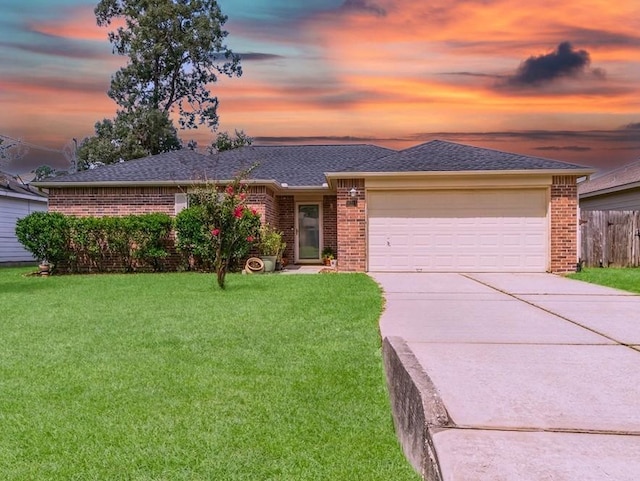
(418, 410)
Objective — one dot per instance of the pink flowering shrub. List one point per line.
(228, 225)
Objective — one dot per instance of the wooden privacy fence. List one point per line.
(610, 238)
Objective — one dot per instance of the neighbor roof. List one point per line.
(11, 186)
(442, 156)
(307, 165)
(616, 179)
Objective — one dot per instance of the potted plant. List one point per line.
(328, 255)
(281, 260)
(270, 246)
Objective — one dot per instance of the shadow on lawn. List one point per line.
(29, 283)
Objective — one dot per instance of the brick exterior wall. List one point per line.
(117, 202)
(286, 207)
(330, 222)
(114, 201)
(344, 224)
(264, 201)
(351, 226)
(564, 224)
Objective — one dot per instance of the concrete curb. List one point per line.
(418, 410)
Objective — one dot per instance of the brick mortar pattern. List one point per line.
(564, 224)
(351, 226)
(102, 201)
(285, 205)
(330, 222)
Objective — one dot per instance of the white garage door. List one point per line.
(473, 231)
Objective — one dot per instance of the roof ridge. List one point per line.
(619, 177)
(615, 170)
(359, 144)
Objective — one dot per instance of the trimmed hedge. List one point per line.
(193, 239)
(97, 244)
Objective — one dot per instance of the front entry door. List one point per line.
(309, 230)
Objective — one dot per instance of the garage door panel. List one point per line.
(511, 262)
(457, 231)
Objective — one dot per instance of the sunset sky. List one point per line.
(557, 79)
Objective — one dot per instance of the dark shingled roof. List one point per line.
(442, 156)
(296, 165)
(614, 179)
(169, 166)
(305, 165)
(12, 185)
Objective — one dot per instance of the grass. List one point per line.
(627, 279)
(164, 377)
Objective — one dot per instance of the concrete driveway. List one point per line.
(513, 376)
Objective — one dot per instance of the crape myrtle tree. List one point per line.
(176, 50)
(225, 220)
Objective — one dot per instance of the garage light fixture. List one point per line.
(353, 192)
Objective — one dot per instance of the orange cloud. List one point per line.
(78, 24)
(384, 69)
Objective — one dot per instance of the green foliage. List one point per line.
(131, 135)
(175, 51)
(231, 224)
(193, 239)
(87, 235)
(45, 172)
(46, 235)
(270, 243)
(225, 142)
(328, 253)
(627, 279)
(97, 243)
(149, 235)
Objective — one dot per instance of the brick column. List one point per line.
(329, 222)
(286, 211)
(352, 226)
(564, 224)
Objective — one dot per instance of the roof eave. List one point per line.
(150, 183)
(610, 190)
(306, 189)
(17, 195)
(573, 172)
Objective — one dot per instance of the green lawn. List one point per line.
(164, 377)
(627, 279)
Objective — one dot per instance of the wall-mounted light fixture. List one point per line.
(352, 201)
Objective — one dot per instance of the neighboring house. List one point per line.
(439, 206)
(617, 189)
(17, 200)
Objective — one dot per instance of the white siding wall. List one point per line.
(12, 209)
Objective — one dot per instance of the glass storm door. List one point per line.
(308, 228)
